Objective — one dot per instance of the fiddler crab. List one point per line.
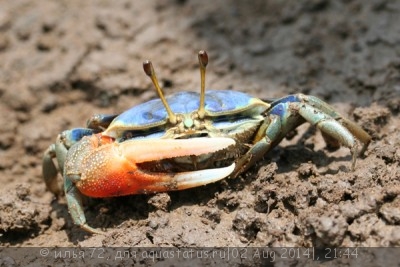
(182, 141)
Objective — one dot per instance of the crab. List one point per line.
(185, 140)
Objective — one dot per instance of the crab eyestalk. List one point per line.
(203, 61)
(149, 70)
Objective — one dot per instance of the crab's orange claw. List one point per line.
(112, 169)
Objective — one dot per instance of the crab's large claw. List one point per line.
(99, 167)
(112, 168)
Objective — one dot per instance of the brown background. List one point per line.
(62, 61)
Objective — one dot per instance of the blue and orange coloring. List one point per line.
(181, 141)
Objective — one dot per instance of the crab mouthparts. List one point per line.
(163, 155)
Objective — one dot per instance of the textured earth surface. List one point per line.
(62, 61)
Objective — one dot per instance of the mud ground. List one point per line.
(63, 61)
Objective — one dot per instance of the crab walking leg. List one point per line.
(49, 170)
(268, 134)
(284, 117)
(329, 126)
(355, 129)
(75, 207)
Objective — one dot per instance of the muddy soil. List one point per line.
(63, 61)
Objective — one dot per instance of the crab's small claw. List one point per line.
(112, 169)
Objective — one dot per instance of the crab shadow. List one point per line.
(291, 157)
(14, 238)
(104, 214)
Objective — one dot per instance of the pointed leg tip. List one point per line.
(92, 230)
